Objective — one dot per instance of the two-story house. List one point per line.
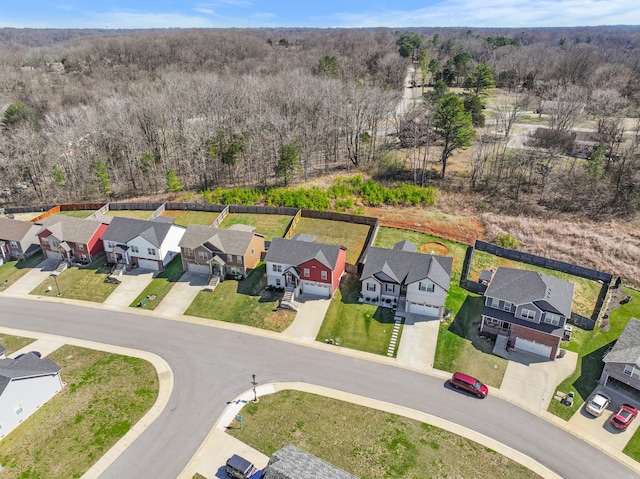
(141, 243)
(527, 308)
(302, 266)
(71, 239)
(220, 252)
(18, 239)
(403, 279)
(622, 363)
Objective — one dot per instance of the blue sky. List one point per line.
(322, 13)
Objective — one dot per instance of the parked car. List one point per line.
(469, 384)
(239, 468)
(623, 417)
(597, 404)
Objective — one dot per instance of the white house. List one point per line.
(141, 243)
(26, 383)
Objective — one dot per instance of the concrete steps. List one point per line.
(211, 285)
(394, 336)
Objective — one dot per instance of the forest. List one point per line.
(116, 114)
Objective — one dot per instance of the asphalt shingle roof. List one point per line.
(519, 286)
(26, 366)
(296, 252)
(15, 230)
(405, 266)
(67, 228)
(123, 230)
(627, 347)
(293, 463)
(230, 241)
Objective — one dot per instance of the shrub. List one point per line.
(507, 241)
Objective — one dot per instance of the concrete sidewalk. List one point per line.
(43, 346)
(181, 295)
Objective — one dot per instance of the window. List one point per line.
(19, 409)
(278, 284)
(324, 275)
(188, 252)
(55, 243)
(252, 251)
(495, 303)
(239, 259)
(507, 306)
(552, 318)
(371, 286)
(14, 244)
(111, 244)
(631, 370)
(135, 249)
(528, 314)
(306, 273)
(203, 256)
(389, 288)
(79, 247)
(229, 258)
(426, 286)
(491, 321)
(151, 251)
(83, 257)
(45, 240)
(277, 268)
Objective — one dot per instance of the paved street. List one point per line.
(212, 366)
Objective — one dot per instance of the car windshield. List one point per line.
(595, 404)
(478, 385)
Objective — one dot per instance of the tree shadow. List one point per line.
(467, 323)
(591, 369)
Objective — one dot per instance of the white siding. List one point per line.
(366, 293)
(274, 276)
(435, 298)
(169, 247)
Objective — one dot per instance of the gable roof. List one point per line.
(16, 230)
(24, 367)
(295, 252)
(293, 463)
(123, 230)
(67, 228)
(230, 241)
(627, 347)
(520, 286)
(405, 266)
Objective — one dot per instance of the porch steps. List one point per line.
(394, 335)
(500, 348)
(119, 270)
(211, 285)
(61, 267)
(287, 301)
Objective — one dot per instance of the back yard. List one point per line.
(188, 217)
(271, 226)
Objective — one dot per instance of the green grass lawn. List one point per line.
(367, 442)
(351, 236)
(591, 346)
(586, 291)
(13, 343)
(271, 226)
(161, 284)
(86, 283)
(135, 214)
(188, 217)
(355, 325)
(105, 395)
(245, 302)
(12, 271)
(77, 213)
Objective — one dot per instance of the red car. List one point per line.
(470, 384)
(624, 416)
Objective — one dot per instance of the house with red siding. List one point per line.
(302, 266)
(71, 239)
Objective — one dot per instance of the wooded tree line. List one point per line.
(93, 114)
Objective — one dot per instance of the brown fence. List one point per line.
(291, 229)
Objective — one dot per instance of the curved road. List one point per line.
(213, 365)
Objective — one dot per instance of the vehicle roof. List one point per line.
(239, 463)
(464, 377)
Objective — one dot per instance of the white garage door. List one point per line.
(198, 268)
(53, 254)
(432, 311)
(317, 289)
(148, 264)
(533, 347)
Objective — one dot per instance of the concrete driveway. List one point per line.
(309, 318)
(182, 294)
(418, 343)
(132, 284)
(33, 278)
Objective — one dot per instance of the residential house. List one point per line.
(141, 243)
(301, 265)
(527, 310)
(18, 239)
(71, 239)
(402, 278)
(622, 363)
(26, 383)
(293, 463)
(220, 252)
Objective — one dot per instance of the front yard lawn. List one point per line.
(367, 442)
(245, 302)
(13, 343)
(187, 217)
(12, 271)
(460, 347)
(105, 395)
(86, 283)
(350, 235)
(271, 226)
(161, 284)
(355, 325)
(591, 346)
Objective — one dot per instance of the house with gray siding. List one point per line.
(291, 462)
(622, 363)
(18, 239)
(404, 279)
(26, 383)
(76, 240)
(527, 310)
